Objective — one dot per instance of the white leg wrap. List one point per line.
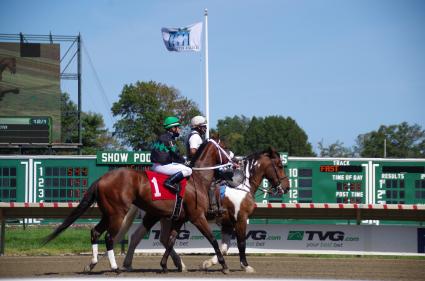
(95, 250)
(111, 257)
(224, 248)
(225, 242)
(214, 259)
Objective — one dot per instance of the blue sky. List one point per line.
(340, 68)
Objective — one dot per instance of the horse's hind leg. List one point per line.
(148, 222)
(226, 235)
(172, 235)
(165, 230)
(115, 223)
(96, 232)
(202, 224)
(109, 241)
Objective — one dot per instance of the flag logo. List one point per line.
(295, 235)
(183, 39)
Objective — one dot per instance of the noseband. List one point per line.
(280, 179)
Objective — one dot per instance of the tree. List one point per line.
(401, 140)
(142, 108)
(232, 130)
(94, 135)
(69, 119)
(336, 149)
(93, 132)
(259, 133)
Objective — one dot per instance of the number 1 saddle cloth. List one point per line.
(159, 191)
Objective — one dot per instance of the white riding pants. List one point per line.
(171, 169)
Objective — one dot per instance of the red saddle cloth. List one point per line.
(159, 191)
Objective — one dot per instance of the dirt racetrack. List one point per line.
(287, 266)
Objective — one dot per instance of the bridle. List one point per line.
(274, 189)
(279, 188)
(220, 152)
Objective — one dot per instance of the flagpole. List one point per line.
(207, 111)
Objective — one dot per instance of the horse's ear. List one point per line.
(215, 136)
(272, 152)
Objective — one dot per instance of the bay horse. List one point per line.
(118, 189)
(9, 63)
(238, 203)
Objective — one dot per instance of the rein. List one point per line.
(221, 159)
(211, 168)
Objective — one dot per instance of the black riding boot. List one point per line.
(172, 183)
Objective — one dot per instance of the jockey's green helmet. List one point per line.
(171, 121)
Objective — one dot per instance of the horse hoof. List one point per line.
(225, 271)
(248, 269)
(116, 270)
(207, 264)
(89, 267)
(183, 268)
(128, 268)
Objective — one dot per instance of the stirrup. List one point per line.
(177, 208)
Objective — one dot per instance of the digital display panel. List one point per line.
(25, 130)
(30, 84)
(63, 183)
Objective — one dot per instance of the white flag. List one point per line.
(183, 39)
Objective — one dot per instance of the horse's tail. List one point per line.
(127, 222)
(89, 198)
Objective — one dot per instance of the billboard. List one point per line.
(30, 87)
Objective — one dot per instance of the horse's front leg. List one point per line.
(165, 230)
(240, 229)
(202, 224)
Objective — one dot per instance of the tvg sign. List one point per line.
(321, 235)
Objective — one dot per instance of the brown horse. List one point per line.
(238, 203)
(118, 189)
(9, 63)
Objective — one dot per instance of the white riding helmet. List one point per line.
(198, 121)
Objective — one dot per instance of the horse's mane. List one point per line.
(250, 159)
(271, 152)
(198, 152)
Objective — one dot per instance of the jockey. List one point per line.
(166, 158)
(196, 136)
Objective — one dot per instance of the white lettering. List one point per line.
(358, 177)
(392, 176)
(356, 194)
(380, 194)
(342, 194)
(142, 157)
(348, 177)
(124, 157)
(104, 155)
(338, 177)
(341, 162)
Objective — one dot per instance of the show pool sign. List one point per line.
(123, 157)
